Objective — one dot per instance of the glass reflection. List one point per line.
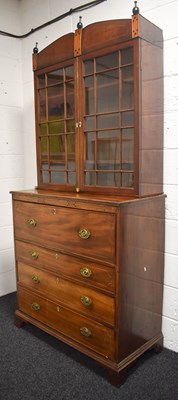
(42, 104)
(69, 72)
(56, 127)
(127, 87)
(55, 77)
(128, 118)
(90, 178)
(107, 96)
(43, 130)
(127, 56)
(127, 180)
(90, 147)
(106, 62)
(89, 95)
(55, 99)
(58, 176)
(88, 67)
(71, 147)
(109, 179)
(44, 148)
(89, 123)
(108, 154)
(57, 147)
(107, 121)
(41, 81)
(127, 149)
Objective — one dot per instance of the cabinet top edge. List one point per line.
(96, 35)
(36, 195)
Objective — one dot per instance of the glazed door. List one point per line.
(108, 120)
(56, 126)
(86, 122)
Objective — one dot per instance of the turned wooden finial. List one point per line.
(135, 9)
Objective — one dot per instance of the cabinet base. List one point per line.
(117, 373)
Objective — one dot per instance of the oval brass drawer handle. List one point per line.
(85, 272)
(35, 279)
(34, 255)
(85, 331)
(32, 222)
(35, 306)
(86, 301)
(84, 234)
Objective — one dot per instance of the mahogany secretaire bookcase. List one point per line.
(89, 239)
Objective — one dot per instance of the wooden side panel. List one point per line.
(146, 30)
(105, 33)
(151, 120)
(58, 51)
(141, 273)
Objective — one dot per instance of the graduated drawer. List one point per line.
(83, 232)
(81, 329)
(72, 267)
(80, 298)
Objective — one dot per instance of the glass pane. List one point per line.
(55, 101)
(69, 72)
(128, 118)
(90, 149)
(127, 87)
(89, 123)
(71, 146)
(107, 121)
(108, 154)
(43, 129)
(70, 125)
(127, 180)
(88, 67)
(41, 81)
(42, 104)
(70, 100)
(55, 77)
(57, 147)
(127, 56)
(71, 164)
(106, 62)
(58, 176)
(71, 178)
(127, 149)
(89, 95)
(107, 91)
(56, 127)
(109, 179)
(44, 147)
(45, 175)
(90, 178)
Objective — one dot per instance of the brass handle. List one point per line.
(85, 331)
(35, 279)
(86, 272)
(84, 234)
(35, 306)
(32, 222)
(86, 301)
(34, 255)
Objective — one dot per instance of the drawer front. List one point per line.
(76, 231)
(86, 272)
(81, 329)
(80, 298)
